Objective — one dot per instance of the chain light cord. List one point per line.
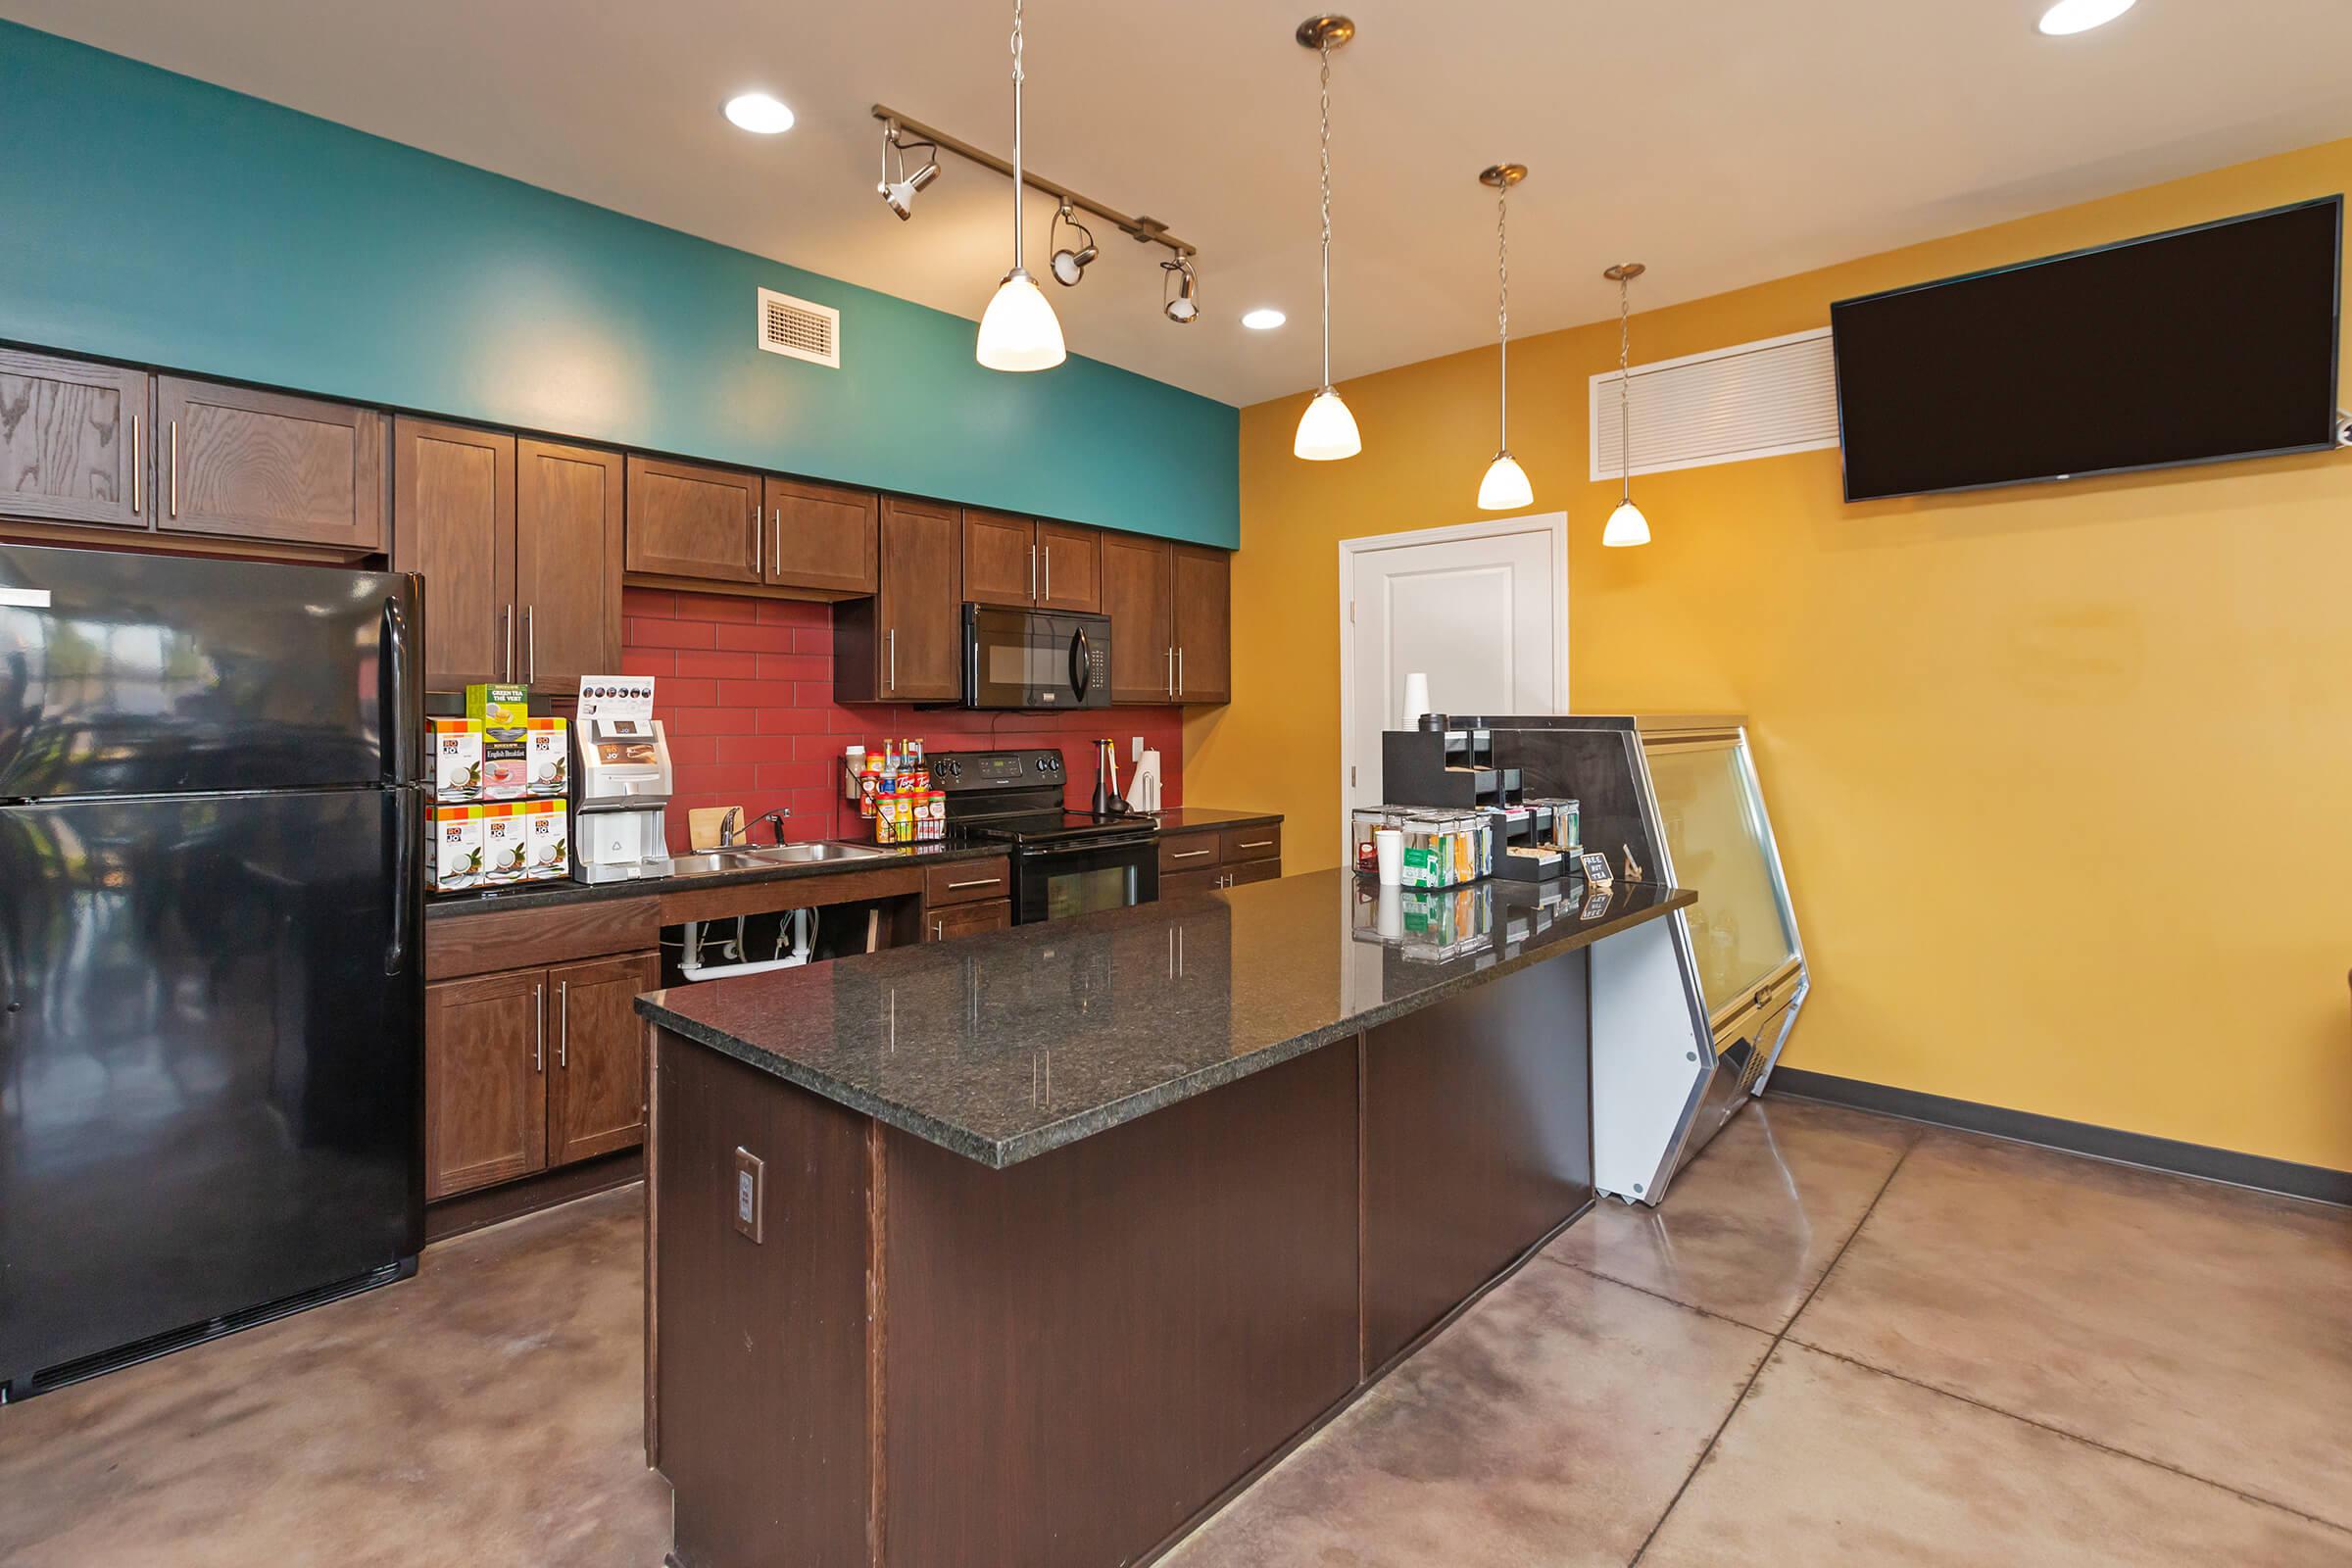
(1625, 418)
(1324, 49)
(1016, 135)
(1502, 306)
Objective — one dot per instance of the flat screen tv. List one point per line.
(2193, 346)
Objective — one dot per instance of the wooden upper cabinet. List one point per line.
(920, 606)
(690, 520)
(74, 440)
(822, 536)
(596, 1081)
(1070, 567)
(1202, 624)
(452, 520)
(485, 1059)
(999, 559)
(1137, 594)
(568, 544)
(268, 466)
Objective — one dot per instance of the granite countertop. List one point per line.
(1177, 818)
(553, 894)
(1004, 1046)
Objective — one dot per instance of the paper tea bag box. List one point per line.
(498, 707)
(457, 859)
(506, 841)
(547, 762)
(457, 745)
(549, 832)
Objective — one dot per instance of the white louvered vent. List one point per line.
(801, 328)
(1753, 400)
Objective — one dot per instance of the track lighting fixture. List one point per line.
(1070, 261)
(899, 194)
(1184, 307)
(1018, 331)
(1326, 429)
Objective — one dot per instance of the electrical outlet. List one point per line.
(1139, 748)
(750, 1193)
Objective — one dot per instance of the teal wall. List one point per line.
(150, 216)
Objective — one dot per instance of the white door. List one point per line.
(1480, 609)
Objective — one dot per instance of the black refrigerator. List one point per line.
(211, 965)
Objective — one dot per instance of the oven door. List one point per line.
(1054, 881)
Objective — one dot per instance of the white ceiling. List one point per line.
(1721, 143)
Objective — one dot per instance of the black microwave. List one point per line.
(1035, 659)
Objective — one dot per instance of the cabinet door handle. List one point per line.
(563, 1024)
(505, 615)
(1171, 671)
(938, 930)
(1180, 671)
(1188, 854)
(136, 465)
(530, 645)
(1257, 844)
(976, 882)
(176, 468)
(894, 659)
(1033, 571)
(1049, 572)
(539, 1041)
(778, 551)
(759, 543)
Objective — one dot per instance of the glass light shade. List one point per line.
(1326, 430)
(1505, 485)
(2068, 16)
(1018, 331)
(1627, 527)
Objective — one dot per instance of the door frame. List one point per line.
(1553, 523)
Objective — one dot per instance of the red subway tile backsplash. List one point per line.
(745, 689)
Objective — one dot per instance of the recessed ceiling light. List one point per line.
(2081, 15)
(1265, 319)
(761, 115)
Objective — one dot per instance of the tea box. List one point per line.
(498, 707)
(455, 861)
(456, 759)
(547, 760)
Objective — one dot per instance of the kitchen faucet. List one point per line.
(732, 825)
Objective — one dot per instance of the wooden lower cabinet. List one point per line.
(533, 1068)
(1202, 859)
(967, 919)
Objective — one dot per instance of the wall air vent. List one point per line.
(1753, 400)
(801, 330)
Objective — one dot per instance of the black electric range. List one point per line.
(1065, 863)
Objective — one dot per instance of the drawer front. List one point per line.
(1189, 852)
(1175, 885)
(1238, 844)
(967, 882)
(967, 919)
(1252, 871)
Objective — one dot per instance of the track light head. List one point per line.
(1184, 307)
(899, 194)
(1071, 261)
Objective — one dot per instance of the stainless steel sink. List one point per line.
(749, 858)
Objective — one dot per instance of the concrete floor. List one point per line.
(1844, 1339)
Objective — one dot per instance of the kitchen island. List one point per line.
(1033, 1247)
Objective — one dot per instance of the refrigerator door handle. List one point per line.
(396, 695)
(407, 879)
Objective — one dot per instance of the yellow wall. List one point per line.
(2062, 774)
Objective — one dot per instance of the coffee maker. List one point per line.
(620, 799)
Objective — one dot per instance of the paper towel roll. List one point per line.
(1417, 699)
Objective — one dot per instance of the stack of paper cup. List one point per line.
(1417, 699)
(1387, 844)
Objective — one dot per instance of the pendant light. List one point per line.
(1018, 331)
(1505, 485)
(1626, 525)
(1326, 430)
